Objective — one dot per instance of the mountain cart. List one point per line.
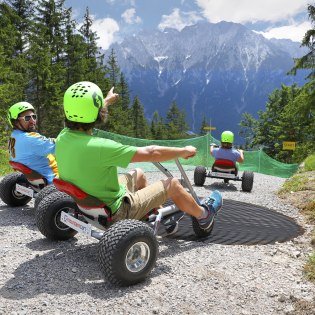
(127, 249)
(226, 170)
(18, 188)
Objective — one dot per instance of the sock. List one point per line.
(204, 213)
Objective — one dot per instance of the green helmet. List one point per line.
(18, 108)
(82, 102)
(227, 136)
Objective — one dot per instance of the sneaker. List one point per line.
(213, 205)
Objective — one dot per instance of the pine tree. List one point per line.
(113, 70)
(12, 63)
(123, 91)
(308, 60)
(42, 54)
(176, 123)
(304, 106)
(157, 127)
(47, 57)
(9, 92)
(75, 52)
(139, 123)
(248, 129)
(298, 124)
(269, 133)
(24, 10)
(94, 70)
(120, 117)
(286, 118)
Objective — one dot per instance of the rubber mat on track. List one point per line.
(243, 223)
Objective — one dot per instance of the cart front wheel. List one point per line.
(127, 252)
(199, 231)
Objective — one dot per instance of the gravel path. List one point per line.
(42, 277)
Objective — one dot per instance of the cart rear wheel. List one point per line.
(8, 193)
(47, 190)
(48, 214)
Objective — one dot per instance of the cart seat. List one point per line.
(33, 177)
(88, 204)
(226, 166)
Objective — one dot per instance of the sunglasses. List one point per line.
(28, 117)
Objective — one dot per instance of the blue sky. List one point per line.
(114, 19)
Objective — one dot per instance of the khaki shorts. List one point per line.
(136, 204)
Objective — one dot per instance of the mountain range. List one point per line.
(214, 70)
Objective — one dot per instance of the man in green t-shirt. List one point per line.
(91, 163)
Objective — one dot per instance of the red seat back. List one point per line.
(224, 163)
(20, 167)
(80, 197)
(30, 174)
(69, 189)
(225, 166)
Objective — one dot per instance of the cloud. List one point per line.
(179, 20)
(242, 11)
(106, 29)
(76, 13)
(121, 2)
(129, 16)
(294, 32)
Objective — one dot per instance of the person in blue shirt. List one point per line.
(226, 150)
(28, 147)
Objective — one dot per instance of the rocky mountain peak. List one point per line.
(206, 67)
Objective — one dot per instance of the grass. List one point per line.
(299, 190)
(297, 182)
(302, 180)
(309, 163)
(4, 165)
(309, 210)
(309, 268)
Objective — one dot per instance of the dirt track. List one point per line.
(191, 277)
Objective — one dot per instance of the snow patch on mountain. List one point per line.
(206, 67)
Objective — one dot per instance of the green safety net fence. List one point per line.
(256, 161)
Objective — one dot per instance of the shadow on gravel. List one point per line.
(221, 186)
(16, 216)
(238, 223)
(5, 208)
(243, 223)
(67, 269)
(71, 268)
(44, 244)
